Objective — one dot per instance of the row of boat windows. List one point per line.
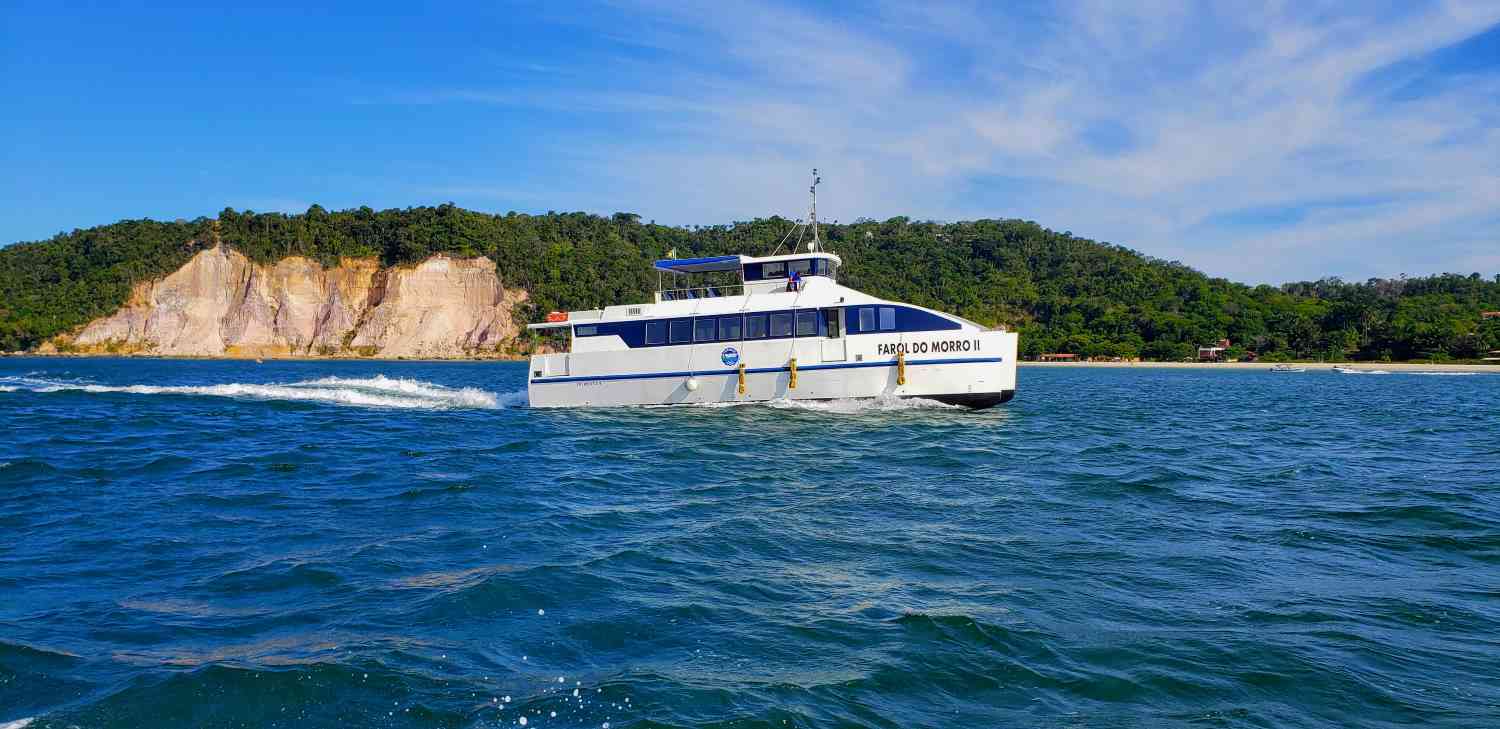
(784, 269)
(767, 325)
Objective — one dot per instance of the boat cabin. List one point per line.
(768, 274)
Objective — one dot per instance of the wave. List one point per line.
(17, 724)
(375, 392)
(843, 406)
(854, 406)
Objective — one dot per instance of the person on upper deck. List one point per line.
(794, 282)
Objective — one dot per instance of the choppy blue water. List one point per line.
(402, 545)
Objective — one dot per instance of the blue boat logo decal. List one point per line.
(730, 356)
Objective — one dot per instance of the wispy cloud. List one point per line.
(1164, 125)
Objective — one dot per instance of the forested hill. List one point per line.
(1064, 294)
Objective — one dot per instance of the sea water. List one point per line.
(289, 544)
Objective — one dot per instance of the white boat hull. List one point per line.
(976, 369)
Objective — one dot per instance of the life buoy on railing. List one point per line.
(556, 316)
(792, 383)
(900, 368)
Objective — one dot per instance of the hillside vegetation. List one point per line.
(1064, 294)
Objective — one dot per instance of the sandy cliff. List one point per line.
(222, 304)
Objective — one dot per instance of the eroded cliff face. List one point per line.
(222, 304)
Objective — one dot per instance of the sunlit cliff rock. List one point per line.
(222, 304)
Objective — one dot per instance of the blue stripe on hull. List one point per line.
(764, 370)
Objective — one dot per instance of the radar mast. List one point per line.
(814, 244)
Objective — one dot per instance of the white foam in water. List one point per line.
(853, 406)
(17, 724)
(847, 406)
(379, 392)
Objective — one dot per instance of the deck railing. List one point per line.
(700, 292)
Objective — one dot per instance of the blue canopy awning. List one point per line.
(699, 265)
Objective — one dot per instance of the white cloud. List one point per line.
(1213, 110)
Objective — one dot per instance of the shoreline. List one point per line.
(261, 359)
(1311, 366)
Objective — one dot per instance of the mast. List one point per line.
(813, 245)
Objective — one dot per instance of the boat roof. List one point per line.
(701, 265)
(732, 263)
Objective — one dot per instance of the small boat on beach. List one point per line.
(1286, 368)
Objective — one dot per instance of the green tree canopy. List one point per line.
(1061, 292)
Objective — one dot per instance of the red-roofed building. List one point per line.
(1214, 353)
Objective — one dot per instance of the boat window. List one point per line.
(887, 318)
(781, 325)
(807, 323)
(729, 328)
(656, 332)
(682, 330)
(832, 315)
(755, 326)
(773, 270)
(587, 331)
(867, 319)
(704, 328)
(802, 267)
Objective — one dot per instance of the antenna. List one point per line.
(813, 245)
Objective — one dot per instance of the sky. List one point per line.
(1264, 142)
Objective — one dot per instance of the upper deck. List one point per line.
(756, 274)
(775, 299)
(791, 295)
(771, 281)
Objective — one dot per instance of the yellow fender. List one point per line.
(900, 368)
(792, 384)
(742, 378)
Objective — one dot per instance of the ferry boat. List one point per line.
(787, 330)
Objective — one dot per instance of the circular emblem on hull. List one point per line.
(730, 356)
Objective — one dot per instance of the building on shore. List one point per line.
(1058, 357)
(1214, 353)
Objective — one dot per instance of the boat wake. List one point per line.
(373, 392)
(856, 406)
(842, 406)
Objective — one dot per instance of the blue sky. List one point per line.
(1264, 142)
